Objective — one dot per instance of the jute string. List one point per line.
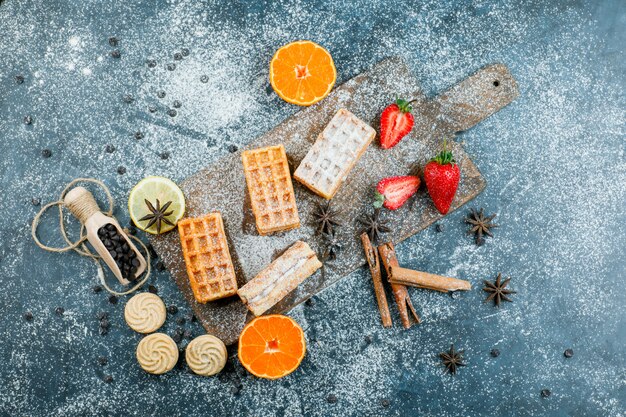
(83, 208)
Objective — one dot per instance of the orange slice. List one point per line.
(271, 346)
(302, 73)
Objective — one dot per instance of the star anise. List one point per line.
(326, 218)
(452, 359)
(158, 215)
(373, 225)
(497, 290)
(480, 225)
(332, 246)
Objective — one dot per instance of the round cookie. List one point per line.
(206, 355)
(145, 312)
(157, 353)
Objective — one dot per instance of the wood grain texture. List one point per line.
(221, 186)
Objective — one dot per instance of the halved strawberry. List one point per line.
(393, 192)
(396, 122)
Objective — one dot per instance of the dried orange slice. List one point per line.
(271, 346)
(302, 73)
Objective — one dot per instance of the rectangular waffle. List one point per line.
(205, 249)
(334, 153)
(279, 278)
(270, 188)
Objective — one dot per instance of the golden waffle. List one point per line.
(334, 153)
(209, 267)
(280, 278)
(270, 188)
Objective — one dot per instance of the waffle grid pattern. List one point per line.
(334, 153)
(205, 249)
(271, 191)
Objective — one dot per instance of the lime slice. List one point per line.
(153, 189)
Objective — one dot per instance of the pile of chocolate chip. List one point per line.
(119, 249)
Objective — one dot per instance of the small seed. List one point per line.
(184, 51)
(138, 135)
(102, 360)
(171, 67)
(172, 309)
(172, 113)
(151, 63)
(46, 153)
(152, 109)
(19, 79)
(153, 289)
(108, 379)
(113, 299)
(494, 353)
(178, 56)
(545, 393)
(204, 79)
(28, 316)
(35, 201)
(28, 120)
(128, 98)
(568, 353)
(59, 311)
(110, 149)
(116, 54)
(121, 170)
(331, 399)
(177, 104)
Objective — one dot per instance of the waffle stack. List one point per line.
(334, 153)
(209, 267)
(270, 188)
(280, 278)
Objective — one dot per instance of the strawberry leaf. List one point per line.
(379, 199)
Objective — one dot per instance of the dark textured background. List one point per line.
(554, 161)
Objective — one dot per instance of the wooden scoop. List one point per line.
(83, 205)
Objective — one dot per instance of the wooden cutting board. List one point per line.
(221, 186)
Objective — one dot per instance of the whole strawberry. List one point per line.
(442, 176)
(393, 192)
(396, 122)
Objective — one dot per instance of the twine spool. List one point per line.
(81, 203)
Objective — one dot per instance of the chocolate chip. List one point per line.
(177, 104)
(494, 353)
(545, 393)
(439, 228)
(568, 353)
(385, 402)
(109, 148)
(184, 51)
(331, 399)
(113, 299)
(28, 316)
(19, 79)
(232, 148)
(35, 201)
(172, 309)
(96, 289)
(128, 98)
(102, 360)
(153, 289)
(116, 53)
(171, 67)
(121, 170)
(138, 135)
(108, 379)
(178, 56)
(28, 120)
(161, 94)
(204, 79)
(46, 153)
(151, 63)
(59, 311)
(172, 113)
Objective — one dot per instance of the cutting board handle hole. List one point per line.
(496, 83)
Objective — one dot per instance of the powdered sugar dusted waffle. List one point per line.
(205, 249)
(280, 278)
(334, 153)
(270, 188)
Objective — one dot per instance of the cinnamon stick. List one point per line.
(371, 255)
(404, 276)
(401, 294)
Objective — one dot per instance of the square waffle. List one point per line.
(279, 278)
(209, 267)
(270, 188)
(334, 153)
